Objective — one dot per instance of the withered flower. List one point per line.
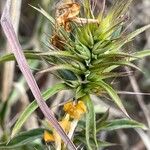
(65, 13)
(57, 41)
(75, 110)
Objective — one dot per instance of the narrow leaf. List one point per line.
(61, 67)
(46, 14)
(130, 36)
(23, 139)
(90, 122)
(87, 9)
(120, 124)
(10, 57)
(140, 54)
(114, 96)
(33, 106)
(38, 55)
(104, 66)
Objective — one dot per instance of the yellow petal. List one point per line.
(48, 137)
(75, 110)
(65, 123)
(81, 106)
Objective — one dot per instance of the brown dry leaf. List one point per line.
(65, 13)
(57, 42)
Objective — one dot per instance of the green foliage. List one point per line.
(84, 59)
(119, 124)
(98, 50)
(33, 106)
(90, 123)
(23, 138)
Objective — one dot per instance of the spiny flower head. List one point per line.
(86, 47)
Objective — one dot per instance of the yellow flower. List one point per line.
(75, 110)
(54, 137)
(48, 137)
(65, 124)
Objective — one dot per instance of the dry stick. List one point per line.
(145, 138)
(17, 50)
(123, 139)
(8, 72)
(139, 97)
(128, 93)
(138, 146)
(132, 93)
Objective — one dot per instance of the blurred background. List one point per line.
(34, 31)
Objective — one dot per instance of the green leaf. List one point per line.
(105, 144)
(65, 54)
(113, 94)
(39, 55)
(127, 38)
(90, 122)
(23, 139)
(28, 55)
(119, 8)
(119, 124)
(104, 66)
(87, 9)
(67, 75)
(62, 67)
(116, 55)
(33, 106)
(79, 92)
(106, 75)
(140, 54)
(130, 36)
(44, 13)
(136, 56)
